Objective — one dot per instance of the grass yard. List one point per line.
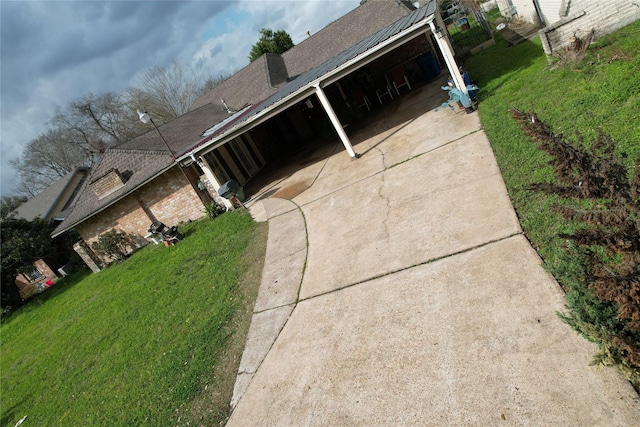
(470, 37)
(600, 92)
(155, 340)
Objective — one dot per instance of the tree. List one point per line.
(8, 204)
(46, 159)
(81, 131)
(99, 121)
(22, 243)
(270, 42)
(167, 92)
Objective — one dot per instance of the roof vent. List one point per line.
(226, 107)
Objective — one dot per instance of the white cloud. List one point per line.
(55, 52)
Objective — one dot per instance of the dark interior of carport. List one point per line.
(306, 125)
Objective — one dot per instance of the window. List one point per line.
(33, 275)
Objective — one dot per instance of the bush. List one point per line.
(114, 246)
(214, 210)
(604, 198)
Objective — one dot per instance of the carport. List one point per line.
(316, 80)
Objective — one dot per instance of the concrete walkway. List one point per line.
(398, 289)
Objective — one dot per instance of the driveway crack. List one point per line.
(387, 204)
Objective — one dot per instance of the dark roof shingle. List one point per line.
(179, 133)
(247, 86)
(139, 166)
(343, 33)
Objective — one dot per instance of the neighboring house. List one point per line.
(36, 280)
(563, 19)
(52, 205)
(274, 105)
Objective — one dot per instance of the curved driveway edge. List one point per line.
(281, 277)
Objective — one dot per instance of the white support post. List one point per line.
(213, 180)
(336, 122)
(447, 53)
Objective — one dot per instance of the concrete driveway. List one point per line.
(399, 289)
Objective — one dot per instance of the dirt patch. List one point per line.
(293, 190)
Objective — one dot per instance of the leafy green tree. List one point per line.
(9, 204)
(114, 245)
(22, 242)
(276, 42)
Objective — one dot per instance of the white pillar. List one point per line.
(447, 52)
(213, 180)
(336, 122)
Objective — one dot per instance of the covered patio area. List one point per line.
(294, 173)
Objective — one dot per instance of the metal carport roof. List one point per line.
(360, 54)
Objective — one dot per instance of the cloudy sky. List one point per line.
(53, 52)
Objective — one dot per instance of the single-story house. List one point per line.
(270, 107)
(563, 19)
(54, 203)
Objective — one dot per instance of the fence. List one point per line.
(468, 29)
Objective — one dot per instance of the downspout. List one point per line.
(335, 121)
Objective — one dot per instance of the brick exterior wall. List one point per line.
(168, 199)
(45, 270)
(88, 256)
(602, 16)
(28, 288)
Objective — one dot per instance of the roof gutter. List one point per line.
(309, 89)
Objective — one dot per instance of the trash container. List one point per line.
(231, 188)
(157, 227)
(428, 65)
(467, 81)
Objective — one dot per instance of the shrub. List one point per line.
(114, 246)
(605, 199)
(214, 210)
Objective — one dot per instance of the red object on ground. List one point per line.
(48, 283)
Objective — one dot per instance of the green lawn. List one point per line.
(600, 92)
(471, 37)
(151, 341)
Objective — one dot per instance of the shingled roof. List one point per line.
(42, 206)
(343, 33)
(269, 72)
(137, 166)
(330, 70)
(265, 74)
(179, 133)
